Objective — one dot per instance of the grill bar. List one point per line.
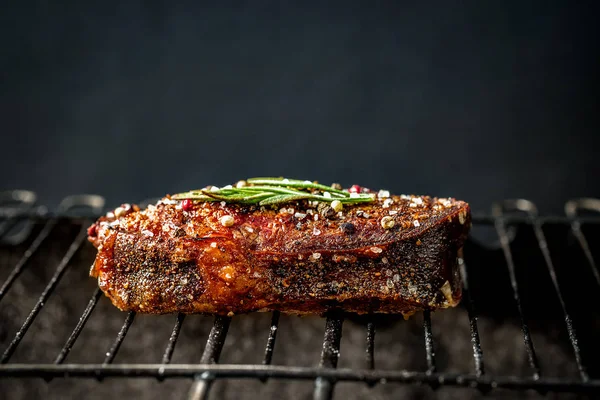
(7, 226)
(13, 202)
(475, 341)
(370, 352)
(505, 243)
(288, 372)
(79, 327)
(216, 339)
(166, 359)
(329, 355)
(62, 267)
(576, 229)
(571, 209)
(543, 244)
(271, 339)
(429, 350)
(22, 263)
(114, 349)
(268, 356)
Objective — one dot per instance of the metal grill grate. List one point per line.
(505, 215)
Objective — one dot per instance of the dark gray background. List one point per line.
(473, 99)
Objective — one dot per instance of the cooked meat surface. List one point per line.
(398, 254)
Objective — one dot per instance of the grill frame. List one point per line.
(504, 215)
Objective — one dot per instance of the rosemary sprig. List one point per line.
(268, 191)
(295, 183)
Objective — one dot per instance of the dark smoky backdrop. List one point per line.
(472, 99)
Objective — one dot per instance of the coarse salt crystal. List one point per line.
(316, 232)
(392, 212)
(383, 194)
(213, 245)
(445, 202)
(300, 215)
(376, 249)
(416, 223)
(387, 222)
(226, 220)
(337, 205)
(418, 200)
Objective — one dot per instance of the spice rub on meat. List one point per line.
(397, 254)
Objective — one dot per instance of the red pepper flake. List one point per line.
(92, 230)
(355, 189)
(187, 204)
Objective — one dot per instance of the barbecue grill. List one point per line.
(539, 271)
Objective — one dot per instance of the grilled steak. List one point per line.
(397, 254)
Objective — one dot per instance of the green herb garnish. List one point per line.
(267, 191)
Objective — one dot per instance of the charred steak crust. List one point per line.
(396, 255)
